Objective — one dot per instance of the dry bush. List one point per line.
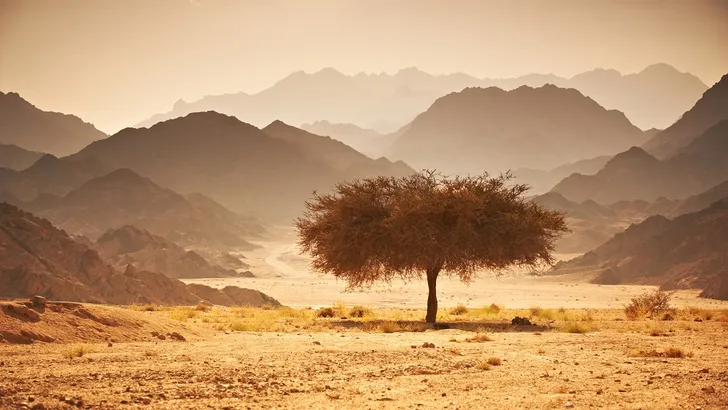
(267, 306)
(339, 309)
(143, 308)
(76, 350)
(151, 353)
(536, 311)
(562, 310)
(494, 361)
(394, 327)
(483, 366)
(201, 307)
(670, 352)
(479, 338)
(459, 310)
(326, 312)
(649, 304)
(493, 308)
(576, 327)
(360, 312)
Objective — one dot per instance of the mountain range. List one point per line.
(269, 173)
(652, 98)
(489, 129)
(16, 158)
(32, 129)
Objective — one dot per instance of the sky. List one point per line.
(117, 62)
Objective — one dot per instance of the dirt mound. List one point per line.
(24, 322)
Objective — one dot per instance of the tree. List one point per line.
(384, 228)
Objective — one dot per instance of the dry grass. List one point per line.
(483, 365)
(144, 308)
(326, 312)
(459, 310)
(394, 327)
(576, 327)
(182, 313)
(201, 307)
(670, 352)
(360, 312)
(77, 350)
(494, 361)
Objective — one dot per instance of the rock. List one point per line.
(317, 343)
(38, 301)
(161, 337)
(21, 312)
(428, 345)
(178, 337)
(110, 344)
(155, 334)
(521, 321)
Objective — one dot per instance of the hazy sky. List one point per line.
(116, 62)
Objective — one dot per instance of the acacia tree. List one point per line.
(383, 228)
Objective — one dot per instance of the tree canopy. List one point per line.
(383, 228)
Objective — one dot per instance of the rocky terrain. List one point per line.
(685, 253)
(32, 129)
(493, 130)
(130, 245)
(39, 259)
(706, 112)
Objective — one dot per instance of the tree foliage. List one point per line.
(383, 228)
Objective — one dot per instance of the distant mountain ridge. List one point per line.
(652, 98)
(32, 129)
(489, 129)
(16, 158)
(635, 174)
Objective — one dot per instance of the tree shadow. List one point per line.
(420, 326)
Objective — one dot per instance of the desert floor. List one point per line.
(587, 354)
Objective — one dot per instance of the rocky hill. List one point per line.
(493, 130)
(706, 113)
(637, 175)
(30, 128)
(689, 251)
(138, 247)
(236, 164)
(123, 197)
(50, 175)
(39, 259)
(16, 158)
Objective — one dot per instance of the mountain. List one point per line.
(39, 259)
(236, 164)
(689, 251)
(130, 245)
(123, 197)
(493, 130)
(707, 112)
(542, 181)
(366, 141)
(14, 157)
(652, 98)
(50, 175)
(700, 201)
(28, 127)
(635, 174)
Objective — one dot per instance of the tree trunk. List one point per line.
(432, 295)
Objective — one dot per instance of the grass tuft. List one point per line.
(459, 310)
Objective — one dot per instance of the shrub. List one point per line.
(201, 307)
(494, 361)
(360, 311)
(493, 308)
(649, 304)
(267, 306)
(78, 350)
(536, 311)
(459, 310)
(671, 352)
(575, 327)
(479, 338)
(483, 366)
(182, 314)
(325, 312)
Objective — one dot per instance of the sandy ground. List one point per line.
(348, 369)
(339, 364)
(283, 273)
